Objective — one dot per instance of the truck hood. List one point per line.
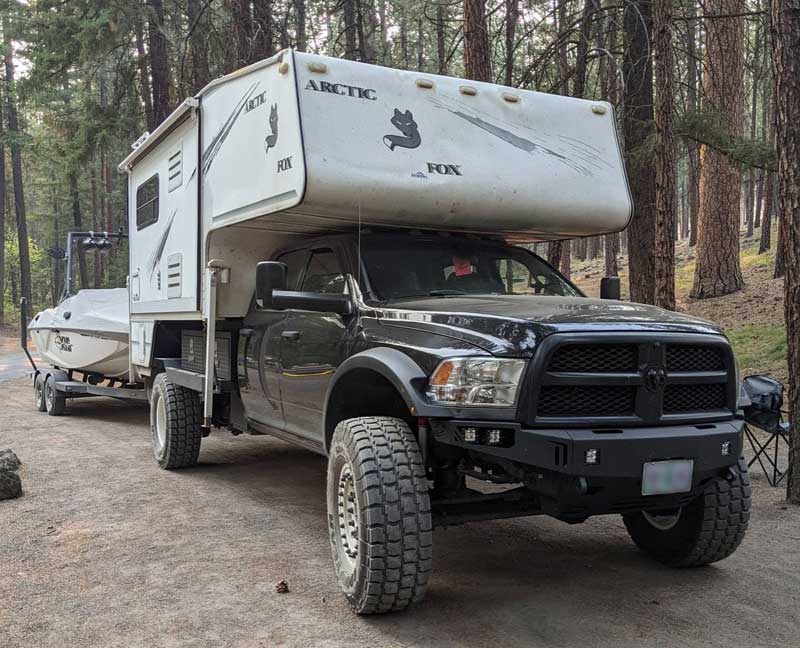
(515, 324)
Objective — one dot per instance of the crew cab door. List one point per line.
(313, 344)
(259, 353)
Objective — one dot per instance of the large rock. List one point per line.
(10, 485)
(9, 461)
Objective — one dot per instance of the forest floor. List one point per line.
(752, 318)
(105, 549)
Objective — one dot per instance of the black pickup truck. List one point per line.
(451, 378)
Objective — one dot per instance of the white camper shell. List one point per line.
(300, 144)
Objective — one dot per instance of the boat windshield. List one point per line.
(406, 267)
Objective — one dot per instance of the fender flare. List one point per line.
(405, 375)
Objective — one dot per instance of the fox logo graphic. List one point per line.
(404, 122)
(273, 125)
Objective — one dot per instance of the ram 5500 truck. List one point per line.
(333, 253)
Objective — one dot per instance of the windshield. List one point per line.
(406, 267)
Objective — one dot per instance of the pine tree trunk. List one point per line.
(349, 18)
(766, 220)
(477, 65)
(300, 37)
(512, 17)
(693, 176)
(665, 156)
(16, 170)
(717, 271)
(785, 30)
(566, 259)
(2, 214)
(611, 252)
(159, 64)
(441, 54)
(263, 46)
(97, 270)
(144, 75)
(198, 24)
(637, 127)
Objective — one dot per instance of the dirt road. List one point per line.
(105, 549)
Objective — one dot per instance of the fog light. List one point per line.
(470, 434)
(495, 437)
(726, 448)
(592, 456)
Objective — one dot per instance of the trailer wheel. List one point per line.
(54, 401)
(175, 417)
(708, 529)
(379, 514)
(38, 393)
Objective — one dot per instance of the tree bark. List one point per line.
(441, 54)
(512, 17)
(263, 46)
(300, 37)
(349, 18)
(477, 65)
(692, 184)
(144, 75)
(159, 65)
(750, 194)
(717, 271)
(16, 170)
(2, 213)
(77, 222)
(198, 48)
(785, 29)
(664, 156)
(766, 219)
(637, 127)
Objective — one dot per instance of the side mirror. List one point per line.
(610, 288)
(270, 276)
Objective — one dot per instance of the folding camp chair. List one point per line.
(764, 412)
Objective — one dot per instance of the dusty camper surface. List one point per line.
(105, 549)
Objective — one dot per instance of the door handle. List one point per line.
(291, 335)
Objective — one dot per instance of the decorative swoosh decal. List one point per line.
(155, 256)
(217, 141)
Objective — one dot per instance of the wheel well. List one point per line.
(363, 392)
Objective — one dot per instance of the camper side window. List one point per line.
(147, 203)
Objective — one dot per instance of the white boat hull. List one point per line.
(87, 332)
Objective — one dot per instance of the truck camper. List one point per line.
(331, 253)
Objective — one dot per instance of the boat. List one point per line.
(87, 332)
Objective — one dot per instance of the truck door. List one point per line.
(313, 344)
(259, 353)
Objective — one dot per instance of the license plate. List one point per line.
(662, 477)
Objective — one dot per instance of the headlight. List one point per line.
(488, 382)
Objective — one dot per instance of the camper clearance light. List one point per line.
(484, 382)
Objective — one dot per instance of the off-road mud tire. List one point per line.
(179, 446)
(709, 529)
(394, 536)
(55, 401)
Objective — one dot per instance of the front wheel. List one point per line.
(708, 529)
(379, 514)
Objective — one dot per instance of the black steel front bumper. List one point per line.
(622, 452)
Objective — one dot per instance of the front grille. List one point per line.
(616, 379)
(594, 359)
(694, 398)
(586, 400)
(690, 357)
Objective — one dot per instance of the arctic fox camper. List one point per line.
(325, 251)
